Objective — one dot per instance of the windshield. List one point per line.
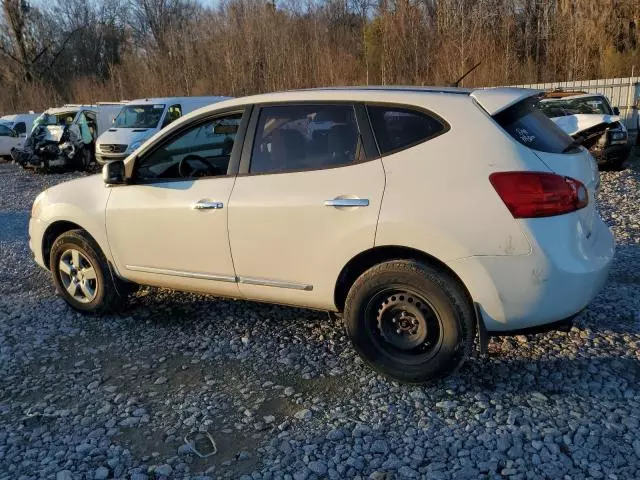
(47, 119)
(139, 116)
(572, 106)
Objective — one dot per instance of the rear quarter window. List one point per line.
(397, 128)
(527, 124)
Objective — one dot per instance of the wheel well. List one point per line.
(51, 233)
(367, 259)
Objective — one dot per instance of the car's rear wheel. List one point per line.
(82, 276)
(409, 321)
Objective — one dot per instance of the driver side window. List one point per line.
(202, 150)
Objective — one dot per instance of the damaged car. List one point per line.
(61, 137)
(593, 123)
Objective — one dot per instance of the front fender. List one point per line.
(82, 202)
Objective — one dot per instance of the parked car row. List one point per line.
(426, 218)
(76, 136)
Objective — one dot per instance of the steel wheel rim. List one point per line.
(420, 325)
(78, 275)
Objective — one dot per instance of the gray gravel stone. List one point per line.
(380, 446)
(318, 467)
(64, 475)
(164, 470)
(304, 414)
(101, 473)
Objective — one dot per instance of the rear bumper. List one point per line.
(555, 281)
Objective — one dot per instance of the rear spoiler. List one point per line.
(495, 100)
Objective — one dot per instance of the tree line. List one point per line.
(77, 51)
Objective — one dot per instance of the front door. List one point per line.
(306, 202)
(169, 228)
(8, 140)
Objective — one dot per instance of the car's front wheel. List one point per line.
(81, 274)
(409, 321)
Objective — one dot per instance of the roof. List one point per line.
(14, 116)
(69, 108)
(493, 100)
(164, 100)
(562, 93)
(393, 88)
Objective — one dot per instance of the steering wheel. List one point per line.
(193, 166)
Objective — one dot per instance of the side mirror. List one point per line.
(113, 173)
(616, 111)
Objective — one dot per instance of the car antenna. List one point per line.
(457, 82)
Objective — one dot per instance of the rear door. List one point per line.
(306, 201)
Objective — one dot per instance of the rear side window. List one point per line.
(526, 123)
(399, 128)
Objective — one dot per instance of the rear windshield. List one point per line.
(526, 122)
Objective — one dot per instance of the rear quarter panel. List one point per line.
(438, 198)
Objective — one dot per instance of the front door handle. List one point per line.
(206, 205)
(347, 202)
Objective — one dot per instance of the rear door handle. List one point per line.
(347, 202)
(206, 205)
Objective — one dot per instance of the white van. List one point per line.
(20, 123)
(107, 113)
(139, 119)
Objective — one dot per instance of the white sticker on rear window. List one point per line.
(524, 135)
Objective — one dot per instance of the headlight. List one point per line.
(134, 146)
(617, 136)
(37, 205)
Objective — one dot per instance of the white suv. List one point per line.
(424, 216)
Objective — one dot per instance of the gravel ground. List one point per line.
(283, 394)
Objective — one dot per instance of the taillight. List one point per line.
(539, 194)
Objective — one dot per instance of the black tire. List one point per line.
(109, 293)
(437, 318)
(83, 159)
